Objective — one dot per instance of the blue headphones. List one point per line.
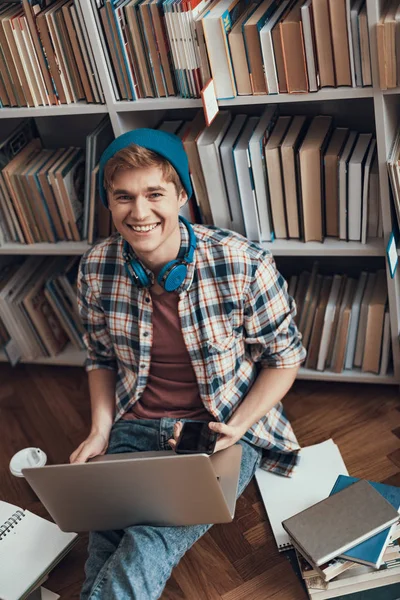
(172, 275)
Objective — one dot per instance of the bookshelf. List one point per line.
(362, 105)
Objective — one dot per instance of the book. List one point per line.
(30, 547)
(340, 42)
(312, 177)
(217, 23)
(356, 578)
(251, 30)
(343, 325)
(375, 322)
(372, 550)
(331, 180)
(273, 161)
(294, 57)
(309, 45)
(245, 180)
(365, 192)
(291, 178)
(228, 165)
(208, 144)
(257, 143)
(362, 324)
(238, 54)
(343, 183)
(355, 186)
(267, 47)
(354, 320)
(345, 519)
(315, 475)
(323, 42)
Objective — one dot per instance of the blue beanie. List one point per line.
(166, 144)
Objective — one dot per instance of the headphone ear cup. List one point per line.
(172, 275)
(140, 273)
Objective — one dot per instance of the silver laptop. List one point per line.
(154, 488)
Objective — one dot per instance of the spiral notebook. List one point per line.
(30, 547)
(319, 467)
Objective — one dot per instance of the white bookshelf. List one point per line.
(60, 248)
(353, 103)
(354, 375)
(70, 357)
(329, 247)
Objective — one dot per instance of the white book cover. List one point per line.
(354, 320)
(22, 566)
(328, 322)
(362, 324)
(309, 46)
(355, 186)
(217, 48)
(228, 165)
(245, 181)
(314, 477)
(208, 146)
(385, 345)
(365, 192)
(355, 34)
(256, 148)
(267, 49)
(343, 180)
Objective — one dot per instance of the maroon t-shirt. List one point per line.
(172, 389)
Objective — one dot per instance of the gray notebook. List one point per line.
(340, 522)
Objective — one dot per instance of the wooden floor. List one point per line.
(48, 407)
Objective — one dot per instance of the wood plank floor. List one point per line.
(48, 407)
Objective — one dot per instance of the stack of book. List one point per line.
(276, 176)
(38, 306)
(355, 547)
(387, 36)
(49, 195)
(45, 55)
(158, 49)
(344, 320)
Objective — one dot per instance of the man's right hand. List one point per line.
(94, 445)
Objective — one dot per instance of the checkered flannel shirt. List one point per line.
(236, 318)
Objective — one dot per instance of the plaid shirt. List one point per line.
(236, 316)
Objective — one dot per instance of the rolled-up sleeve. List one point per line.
(100, 350)
(271, 334)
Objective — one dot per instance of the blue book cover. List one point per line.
(371, 551)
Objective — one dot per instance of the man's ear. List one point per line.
(183, 198)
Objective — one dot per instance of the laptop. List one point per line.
(154, 488)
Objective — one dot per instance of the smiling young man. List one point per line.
(182, 322)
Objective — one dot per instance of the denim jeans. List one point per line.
(135, 563)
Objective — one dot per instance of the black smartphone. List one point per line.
(196, 438)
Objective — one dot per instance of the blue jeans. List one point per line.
(135, 563)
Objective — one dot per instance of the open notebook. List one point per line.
(311, 482)
(29, 548)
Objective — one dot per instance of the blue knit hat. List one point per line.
(166, 144)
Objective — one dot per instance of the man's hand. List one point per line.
(94, 445)
(228, 435)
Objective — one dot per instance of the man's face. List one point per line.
(145, 210)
